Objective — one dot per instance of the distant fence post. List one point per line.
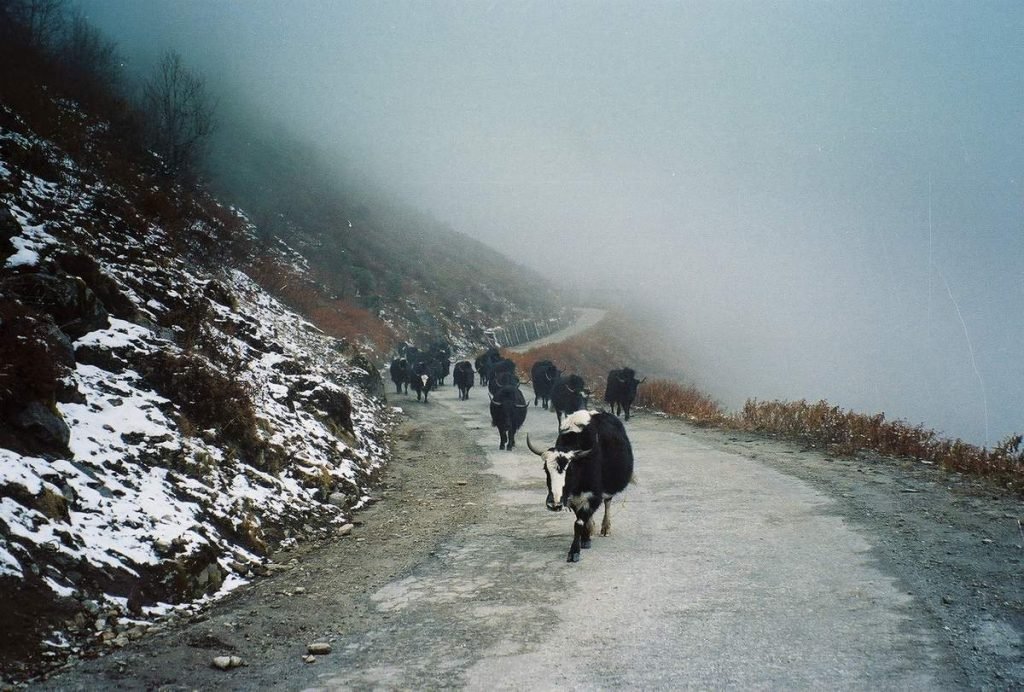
(527, 330)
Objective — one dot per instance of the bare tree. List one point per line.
(35, 22)
(180, 113)
(88, 55)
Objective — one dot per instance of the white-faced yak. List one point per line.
(421, 380)
(591, 462)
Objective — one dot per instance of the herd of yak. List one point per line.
(425, 370)
(591, 460)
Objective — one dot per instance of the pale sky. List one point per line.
(818, 199)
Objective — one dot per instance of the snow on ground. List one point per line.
(147, 504)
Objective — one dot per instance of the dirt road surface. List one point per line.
(734, 562)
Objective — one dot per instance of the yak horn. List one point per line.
(532, 448)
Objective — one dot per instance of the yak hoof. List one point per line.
(585, 544)
(501, 446)
(573, 557)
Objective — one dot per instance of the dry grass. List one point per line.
(847, 433)
(684, 401)
(207, 398)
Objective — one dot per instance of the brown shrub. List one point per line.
(208, 399)
(680, 400)
(848, 432)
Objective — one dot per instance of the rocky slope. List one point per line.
(165, 421)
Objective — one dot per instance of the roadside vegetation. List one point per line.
(612, 344)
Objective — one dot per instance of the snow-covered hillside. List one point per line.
(166, 423)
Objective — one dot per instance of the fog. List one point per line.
(816, 199)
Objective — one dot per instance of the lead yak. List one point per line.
(590, 463)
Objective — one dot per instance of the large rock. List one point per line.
(9, 228)
(46, 425)
(73, 306)
(369, 379)
(99, 282)
(334, 404)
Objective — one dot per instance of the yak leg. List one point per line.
(577, 540)
(606, 521)
(511, 439)
(588, 532)
(503, 436)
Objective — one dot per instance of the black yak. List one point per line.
(508, 412)
(543, 374)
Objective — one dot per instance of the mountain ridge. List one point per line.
(181, 396)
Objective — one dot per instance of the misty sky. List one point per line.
(819, 199)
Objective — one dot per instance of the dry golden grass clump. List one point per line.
(848, 432)
(685, 401)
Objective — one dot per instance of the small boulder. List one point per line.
(226, 662)
(319, 648)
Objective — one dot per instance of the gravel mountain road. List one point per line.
(735, 562)
(719, 572)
